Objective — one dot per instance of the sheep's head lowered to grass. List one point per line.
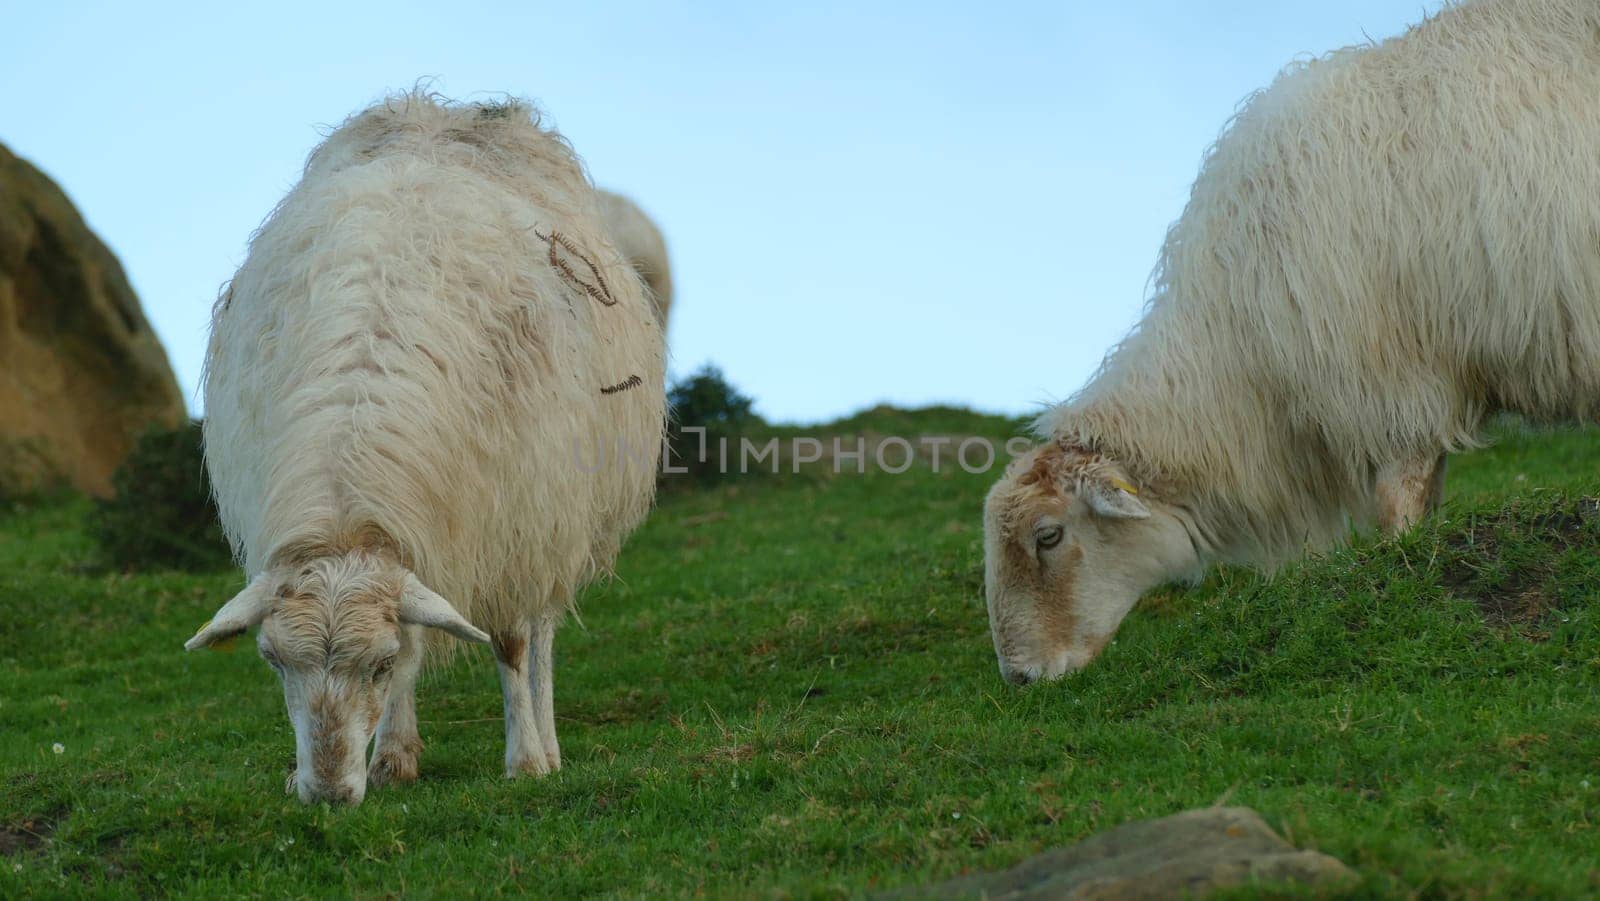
(1069, 547)
(333, 628)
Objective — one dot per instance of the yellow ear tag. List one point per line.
(225, 644)
(1124, 486)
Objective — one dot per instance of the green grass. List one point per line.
(790, 690)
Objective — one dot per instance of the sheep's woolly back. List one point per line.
(427, 335)
(1385, 245)
(637, 237)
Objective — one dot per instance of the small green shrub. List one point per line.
(706, 400)
(162, 515)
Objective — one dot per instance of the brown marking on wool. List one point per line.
(600, 291)
(1036, 492)
(1033, 489)
(1019, 555)
(298, 552)
(364, 365)
(510, 648)
(433, 358)
(372, 539)
(312, 627)
(632, 381)
(466, 136)
(1065, 463)
(1045, 471)
(328, 748)
(366, 537)
(493, 110)
(297, 630)
(376, 130)
(1057, 600)
(358, 627)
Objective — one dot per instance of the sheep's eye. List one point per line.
(1048, 538)
(383, 668)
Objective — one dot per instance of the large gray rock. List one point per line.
(1190, 854)
(81, 372)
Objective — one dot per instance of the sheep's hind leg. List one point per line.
(524, 748)
(1407, 491)
(541, 684)
(397, 746)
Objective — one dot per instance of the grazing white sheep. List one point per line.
(1386, 246)
(637, 237)
(427, 332)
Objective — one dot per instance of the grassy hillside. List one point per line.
(790, 689)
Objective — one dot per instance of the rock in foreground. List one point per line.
(1189, 854)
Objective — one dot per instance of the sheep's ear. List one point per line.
(1114, 498)
(248, 608)
(420, 605)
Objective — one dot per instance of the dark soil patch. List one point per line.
(1505, 563)
(28, 835)
(107, 864)
(110, 849)
(1523, 608)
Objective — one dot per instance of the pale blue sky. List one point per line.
(907, 203)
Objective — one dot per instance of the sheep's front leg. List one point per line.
(397, 746)
(524, 748)
(542, 685)
(1436, 485)
(1409, 490)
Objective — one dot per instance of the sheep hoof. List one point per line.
(291, 784)
(390, 766)
(536, 765)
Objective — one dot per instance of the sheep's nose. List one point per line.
(342, 793)
(1019, 676)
